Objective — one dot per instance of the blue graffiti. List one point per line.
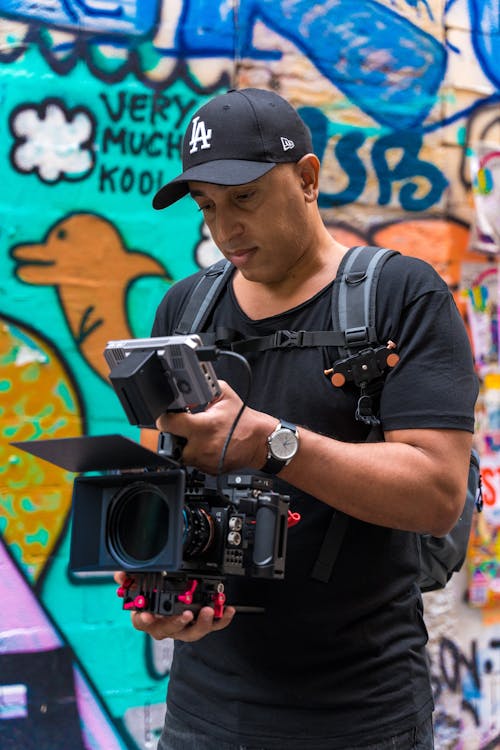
(485, 25)
(409, 166)
(416, 4)
(386, 65)
(408, 174)
(120, 17)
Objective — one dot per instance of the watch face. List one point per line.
(283, 444)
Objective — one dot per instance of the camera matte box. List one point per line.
(95, 453)
(96, 499)
(94, 496)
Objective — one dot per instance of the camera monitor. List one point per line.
(154, 375)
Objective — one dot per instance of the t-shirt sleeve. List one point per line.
(434, 385)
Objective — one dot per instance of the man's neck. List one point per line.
(262, 300)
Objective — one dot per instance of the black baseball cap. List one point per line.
(236, 138)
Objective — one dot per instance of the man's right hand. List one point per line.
(187, 626)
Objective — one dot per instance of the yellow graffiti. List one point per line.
(37, 400)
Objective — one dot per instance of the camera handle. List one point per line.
(171, 446)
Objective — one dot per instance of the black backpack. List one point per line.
(363, 361)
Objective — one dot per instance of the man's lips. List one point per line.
(240, 257)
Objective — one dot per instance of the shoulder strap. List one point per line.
(354, 296)
(204, 296)
(330, 547)
(354, 311)
(353, 307)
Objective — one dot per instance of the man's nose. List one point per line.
(228, 226)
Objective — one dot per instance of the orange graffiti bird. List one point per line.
(84, 257)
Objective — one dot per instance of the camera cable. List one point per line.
(244, 398)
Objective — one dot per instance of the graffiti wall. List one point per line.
(402, 99)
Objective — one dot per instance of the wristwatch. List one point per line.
(282, 445)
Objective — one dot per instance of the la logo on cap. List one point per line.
(199, 135)
(287, 144)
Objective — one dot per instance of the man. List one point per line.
(327, 665)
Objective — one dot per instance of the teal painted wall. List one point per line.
(93, 104)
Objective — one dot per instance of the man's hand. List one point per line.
(206, 433)
(185, 627)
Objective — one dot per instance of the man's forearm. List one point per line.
(415, 481)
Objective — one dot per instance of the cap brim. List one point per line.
(221, 172)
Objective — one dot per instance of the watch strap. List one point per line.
(273, 466)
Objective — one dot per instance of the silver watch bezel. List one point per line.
(277, 434)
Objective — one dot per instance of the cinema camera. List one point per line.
(174, 531)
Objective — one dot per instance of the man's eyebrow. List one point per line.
(199, 193)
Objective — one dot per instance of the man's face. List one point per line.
(261, 227)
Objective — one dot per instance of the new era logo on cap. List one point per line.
(287, 144)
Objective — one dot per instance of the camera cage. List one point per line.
(165, 584)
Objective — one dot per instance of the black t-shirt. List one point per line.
(329, 665)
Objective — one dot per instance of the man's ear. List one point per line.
(308, 171)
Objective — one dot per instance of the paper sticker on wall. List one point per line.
(482, 315)
(483, 554)
(485, 173)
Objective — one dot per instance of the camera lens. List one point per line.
(138, 523)
(198, 531)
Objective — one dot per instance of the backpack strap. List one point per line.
(363, 359)
(354, 310)
(330, 547)
(204, 297)
(354, 296)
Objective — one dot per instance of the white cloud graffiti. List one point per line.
(54, 142)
